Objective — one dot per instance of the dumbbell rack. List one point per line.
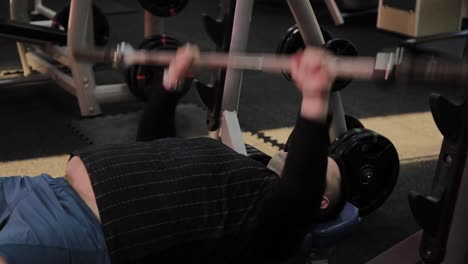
(443, 214)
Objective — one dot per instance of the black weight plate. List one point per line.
(145, 76)
(159, 40)
(338, 142)
(293, 42)
(352, 122)
(101, 24)
(341, 47)
(364, 151)
(280, 49)
(163, 8)
(143, 79)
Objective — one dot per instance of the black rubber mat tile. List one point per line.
(122, 128)
(392, 222)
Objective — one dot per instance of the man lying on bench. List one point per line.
(173, 200)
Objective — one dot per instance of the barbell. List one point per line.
(142, 80)
(397, 65)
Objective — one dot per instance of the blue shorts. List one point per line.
(43, 220)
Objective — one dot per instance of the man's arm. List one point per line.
(294, 204)
(304, 174)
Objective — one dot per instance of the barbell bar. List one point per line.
(391, 65)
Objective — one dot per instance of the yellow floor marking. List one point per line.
(54, 166)
(415, 135)
(259, 144)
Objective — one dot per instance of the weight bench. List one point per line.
(25, 32)
(325, 234)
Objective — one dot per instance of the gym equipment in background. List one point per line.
(443, 213)
(141, 79)
(44, 51)
(353, 122)
(40, 10)
(453, 45)
(230, 34)
(419, 18)
(101, 26)
(163, 8)
(342, 9)
(44, 55)
(372, 165)
(292, 42)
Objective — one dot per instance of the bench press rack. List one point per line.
(36, 49)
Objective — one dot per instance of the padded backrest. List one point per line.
(328, 233)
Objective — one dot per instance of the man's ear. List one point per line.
(325, 202)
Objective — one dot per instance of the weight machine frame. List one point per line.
(82, 82)
(230, 131)
(339, 16)
(40, 9)
(442, 214)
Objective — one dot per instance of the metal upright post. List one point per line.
(153, 25)
(39, 8)
(19, 12)
(239, 40)
(457, 244)
(231, 133)
(311, 33)
(81, 36)
(335, 12)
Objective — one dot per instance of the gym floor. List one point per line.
(40, 125)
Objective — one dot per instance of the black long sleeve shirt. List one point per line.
(172, 200)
